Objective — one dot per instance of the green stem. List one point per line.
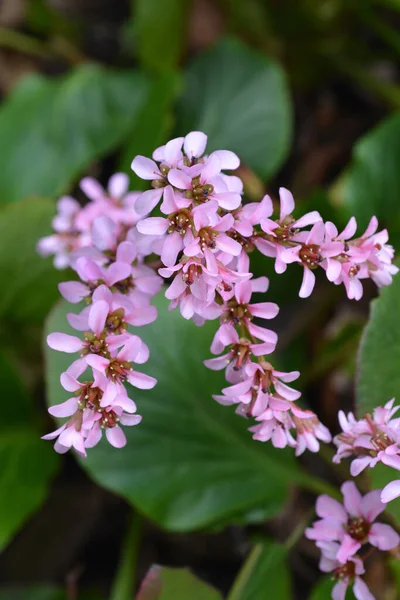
(124, 582)
(245, 573)
(239, 585)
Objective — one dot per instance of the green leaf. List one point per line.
(162, 583)
(191, 463)
(161, 29)
(378, 368)
(51, 130)
(240, 99)
(322, 590)
(265, 573)
(29, 282)
(379, 354)
(27, 466)
(33, 593)
(371, 186)
(47, 592)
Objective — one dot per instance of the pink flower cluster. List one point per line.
(203, 237)
(345, 529)
(101, 243)
(370, 440)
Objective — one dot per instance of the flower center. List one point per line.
(180, 222)
(310, 256)
(358, 528)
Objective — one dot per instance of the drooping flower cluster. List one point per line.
(374, 438)
(101, 243)
(203, 238)
(345, 529)
(208, 233)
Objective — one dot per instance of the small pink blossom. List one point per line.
(352, 524)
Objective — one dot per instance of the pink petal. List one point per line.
(329, 507)
(308, 219)
(179, 179)
(116, 437)
(339, 590)
(264, 310)
(228, 200)
(383, 536)
(391, 491)
(153, 226)
(54, 434)
(173, 151)
(308, 283)
(371, 505)
(64, 342)
(66, 409)
(104, 233)
(97, 316)
(287, 203)
(141, 381)
(228, 245)
(360, 590)
(243, 292)
(177, 287)
(358, 465)
(97, 362)
(227, 159)
(195, 144)
(169, 205)
(92, 188)
(351, 498)
(130, 420)
(126, 253)
(348, 548)
(117, 271)
(147, 201)
(145, 168)
(73, 291)
(333, 270)
(349, 230)
(171, 248)
(118, 185)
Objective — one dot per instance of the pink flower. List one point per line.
(118, 367)
(371, 440)
(347, 574)
(93, 275)
(352, 524)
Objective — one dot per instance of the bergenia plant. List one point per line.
(203, 231)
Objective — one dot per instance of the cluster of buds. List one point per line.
(101, 244)
(344, 531)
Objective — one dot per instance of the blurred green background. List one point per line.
(308, 94)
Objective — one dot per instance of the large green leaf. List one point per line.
(161, 29)
(265, 573)
(191, 462)
(240, 98)
(371, 185)
(29, 287)
(378, 368)
(50, 131)
(162, 583)
(378, 377)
